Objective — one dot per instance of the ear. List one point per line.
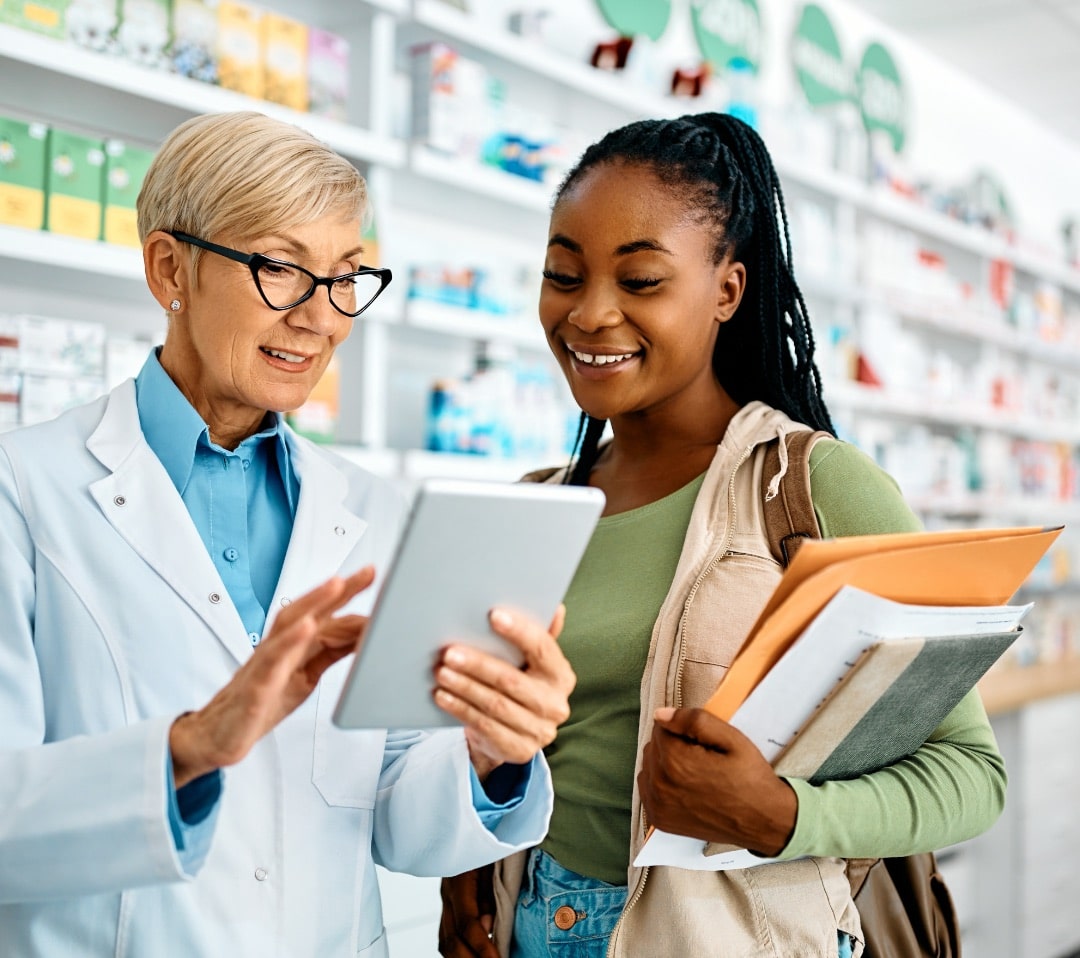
(167, 267)
(731, 284)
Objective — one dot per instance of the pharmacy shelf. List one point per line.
(69, 253)
(922, 408)
(467, 30)
(418, 464)
(1007, 689)
(477, 178)
(60, 58)
(1006, 509)
(474, 324)
(382, 462)
(973, 323)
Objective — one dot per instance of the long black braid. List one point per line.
(766, 350)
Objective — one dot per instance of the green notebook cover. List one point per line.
(888, 704)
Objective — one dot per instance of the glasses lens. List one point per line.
(354, 292)
(282, 284)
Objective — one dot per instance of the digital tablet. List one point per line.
(467, 546)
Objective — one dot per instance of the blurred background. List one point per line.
(929, 152)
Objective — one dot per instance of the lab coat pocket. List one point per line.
(347, 762)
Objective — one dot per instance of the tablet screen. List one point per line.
(467, 546)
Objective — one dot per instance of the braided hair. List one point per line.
(721, 167)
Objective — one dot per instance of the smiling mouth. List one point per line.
(596, 359)
(282, 354)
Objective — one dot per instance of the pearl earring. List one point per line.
(174, 305)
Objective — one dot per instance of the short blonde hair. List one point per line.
(245, 174)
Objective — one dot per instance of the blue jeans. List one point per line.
(562, 914)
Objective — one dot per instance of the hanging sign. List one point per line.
(881, 94)
(819, 63)
(728, 30)
(633, 17)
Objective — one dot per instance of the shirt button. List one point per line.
(247, 464)
(261, 874)
(254, 636)
(215, 598)
(231, 554)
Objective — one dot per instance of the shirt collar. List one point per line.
(173, 429)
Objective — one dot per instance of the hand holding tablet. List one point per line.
(468, 548)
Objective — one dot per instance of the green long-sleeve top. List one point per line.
(925, 801)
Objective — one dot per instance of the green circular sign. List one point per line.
(818, 60)
(728, 30)
(633, 17)
(881, 94)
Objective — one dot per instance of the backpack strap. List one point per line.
(789, 514)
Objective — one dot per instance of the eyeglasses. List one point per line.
(283, 285)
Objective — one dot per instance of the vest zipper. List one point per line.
(640, 889)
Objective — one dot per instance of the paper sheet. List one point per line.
(805, 675)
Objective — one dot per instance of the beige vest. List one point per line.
(724, 576)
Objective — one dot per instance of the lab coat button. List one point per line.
(285, 600)
(339, 530)
(261, 874)
(119, 500)
(215, 598)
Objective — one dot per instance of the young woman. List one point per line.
(669, 301)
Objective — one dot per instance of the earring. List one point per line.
(174, 305)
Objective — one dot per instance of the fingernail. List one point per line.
(664, 714)
(501, 619)
(454, 656)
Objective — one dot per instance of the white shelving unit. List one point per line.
(413, 185)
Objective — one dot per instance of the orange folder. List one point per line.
(950, 567)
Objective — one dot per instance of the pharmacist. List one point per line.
(178, 569)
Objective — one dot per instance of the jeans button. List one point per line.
(566, 917)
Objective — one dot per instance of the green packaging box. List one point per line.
(41, 16)
(22, 173)
(142, 35)
(125, 167)
(73, 184)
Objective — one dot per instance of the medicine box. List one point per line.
(125, 168)
(239, 47)
(142, 33)
(328, 73)
(45, 397)
(22, 173)
(194, 47)
(73, 184)
(285, 55)
(455, 101)
(41, 16)
(60, 347)
(92, 24)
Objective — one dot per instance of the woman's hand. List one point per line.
(509, 713)
(702, 777)
(304, 640)
(468, 915)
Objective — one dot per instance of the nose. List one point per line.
(595, 309)
(317, 315)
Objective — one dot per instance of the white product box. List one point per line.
(124, 357)
(45, 397)
(61, 347)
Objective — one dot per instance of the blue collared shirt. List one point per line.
(243, 503)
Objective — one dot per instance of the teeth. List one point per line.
(591, 360)
(288, 357)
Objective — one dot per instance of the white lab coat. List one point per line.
(113, 620)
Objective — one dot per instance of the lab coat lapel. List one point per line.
(325, 530)
(143, 506)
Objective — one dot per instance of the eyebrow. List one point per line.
(302, 248)
(637, 246)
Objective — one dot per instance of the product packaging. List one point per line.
(92, 24)
(73, 184)
(142, 33)
(317, 419)
(45, 397)
(328, 73)
(125, 168)
(60, 347)
(240, 60)
(285, 54)
(41, 16)
(455, 103)
(194, 49)
(22, 173)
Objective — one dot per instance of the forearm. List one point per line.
(951, 789)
